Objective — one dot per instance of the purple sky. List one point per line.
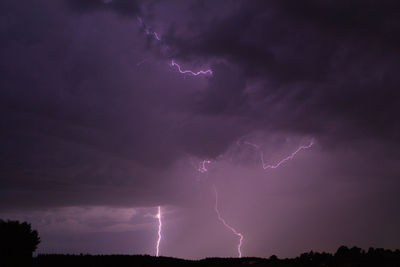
(98, 129)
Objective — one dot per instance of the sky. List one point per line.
(98, 128)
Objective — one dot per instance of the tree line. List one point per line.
(18, 242)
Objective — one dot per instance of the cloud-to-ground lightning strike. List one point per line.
(203, 169)
(158, 216)
(174, 64)
(239, 247)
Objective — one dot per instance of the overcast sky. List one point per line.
(98, 128)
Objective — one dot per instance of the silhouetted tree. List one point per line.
(273, 258)
(344, 253)
(17, 243)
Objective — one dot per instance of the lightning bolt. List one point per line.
(174, 64)
(147, 30)
(157, 36)
(291, 156)
(266, 166)
(203, 169)
(202, 166)
(239, 247)
(158, 216)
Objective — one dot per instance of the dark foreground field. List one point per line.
(343, 257)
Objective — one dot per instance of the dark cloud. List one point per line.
(121, 7)
(126, 8)
(277, 67)
(376, 23)
(225, 92)
(321, 61)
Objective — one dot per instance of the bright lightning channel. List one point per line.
(291, 156)
(203, 169)
(174, 64)
(158, 216)
(202, 166)
(239, 247)
(157, 36)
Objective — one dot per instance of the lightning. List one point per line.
(266, 166)
(203, 169)
(147, 30)
(221, 219)
(202, 166)
(205, 72)
(158, 216)
(157, 37)
(291, 156)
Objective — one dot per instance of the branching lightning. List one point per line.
(239, 247)
(158, 216)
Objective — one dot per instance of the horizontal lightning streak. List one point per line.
(174, 64)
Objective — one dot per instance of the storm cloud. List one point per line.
(94, 116)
